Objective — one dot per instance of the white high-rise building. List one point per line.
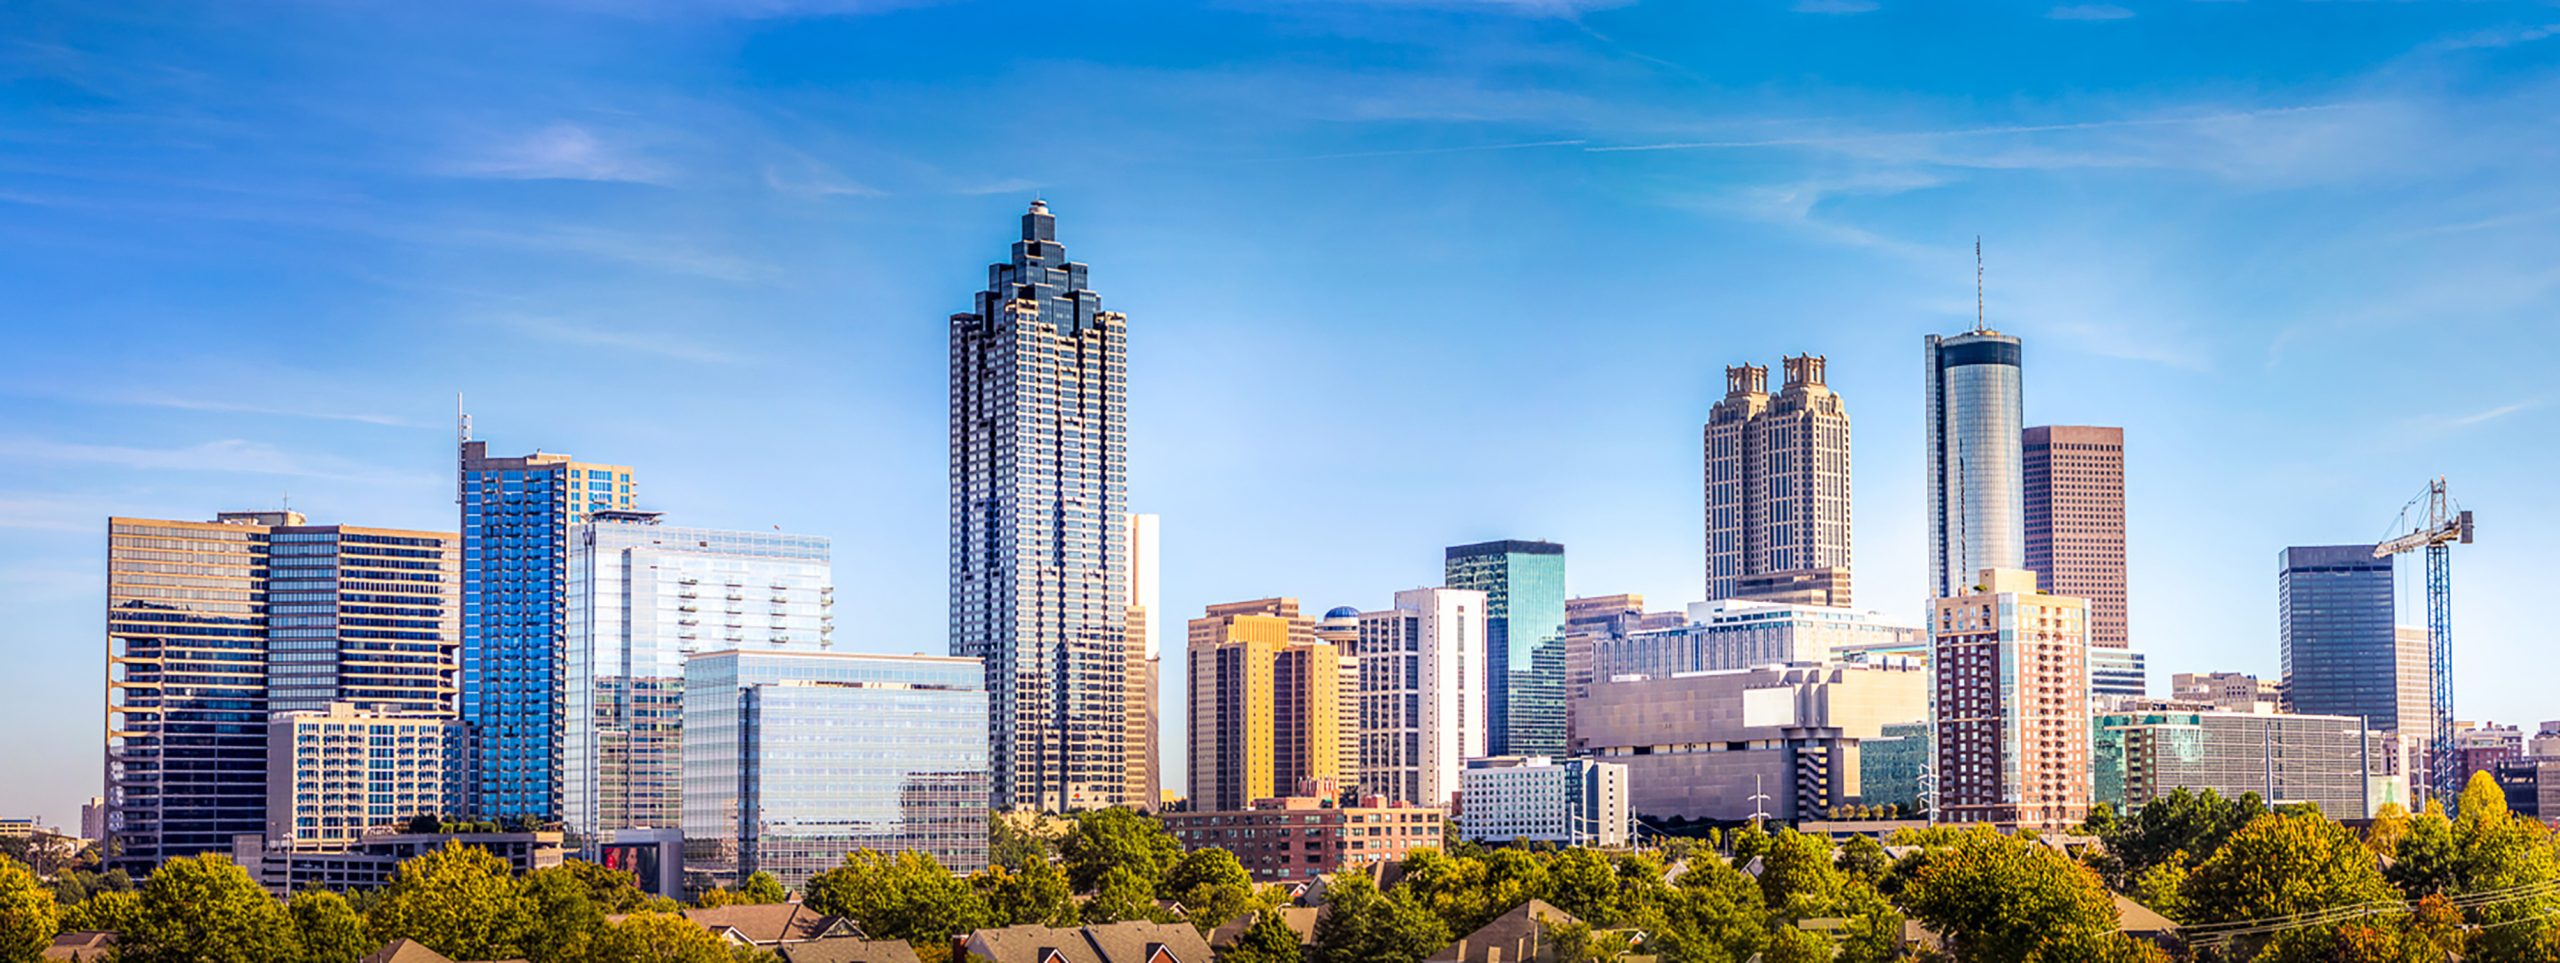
(642, 596)
(1422, 694)
(1146, 607)
(1567, 802)
(1977, 470)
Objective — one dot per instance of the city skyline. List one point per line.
(2316, 450)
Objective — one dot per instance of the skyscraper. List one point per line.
(2010, 672)
(1523, 585)
(213, 625)
(641, 596)
(1777, 470)
(1422, 694)
(2337, 638)
(1146, 773)
(1272, 705)
(1977, 505)
(2075, 521)
(517, 516)
(1039, 524)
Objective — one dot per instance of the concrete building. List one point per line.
(1272, 705)
(1731, 634)
(1146, 650)
(2011, 697)
(371, 861)
(1523, 586)
(1977, 497)
(518, 516)
(1298, 838)
(93, 819)
(2545, 743)
(212, 625)
(1039, 524)
(2143, 755)
(1422, 694)
(2414, 681)
(2075, 521)
(2227, 691)
(1536, 799)
(1777, 482)
(1702, 745)
(2485, 746)
(793, 759)
(2118, 674)
(642, 595)
(336, 774)
(2340, 652)
(1588, 621)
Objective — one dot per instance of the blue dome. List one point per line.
(1342, 612)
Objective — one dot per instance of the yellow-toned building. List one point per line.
(1272, 704)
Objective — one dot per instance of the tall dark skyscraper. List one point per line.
(2335, 609)
(1778, 488)
(1977, 505)
(1040, 526)
(1523, 585)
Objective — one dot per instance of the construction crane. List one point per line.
(2442, 526)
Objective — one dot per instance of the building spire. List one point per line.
(1978, 324)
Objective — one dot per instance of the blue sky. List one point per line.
(1399, 275)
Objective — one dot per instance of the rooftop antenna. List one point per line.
(1977, 285)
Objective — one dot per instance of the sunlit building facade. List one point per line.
(2010, 699)
(1422, 694)
(1523, 586)
(1777, 482)
(1975, 417)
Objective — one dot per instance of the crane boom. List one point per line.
(2442, 528)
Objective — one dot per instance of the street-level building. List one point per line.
(2144, 754)
(1782, 741)
(1298, 838)
(370, 862)
(1537, 799)
(2010, 669)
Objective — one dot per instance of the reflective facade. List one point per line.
(213, 625)
(1738, 635)
(517, 519)
(1039, 524)
(2284, 758)
(793, 759)
(1777, 470)
(1974, 418)
(1523, 586)
(2338, 642)
(641, 596)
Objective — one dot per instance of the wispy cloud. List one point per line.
(1416, 151)
(1835, 6)
(565, 331)
(805, 176)
(560, 151)
(2494, 39)
(1998, 130)
(2493, 414)
(2088, 11)
(40, 512)
(229, 455)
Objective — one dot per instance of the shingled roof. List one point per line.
(1519, 936)
(1134, 941)
(848, 949)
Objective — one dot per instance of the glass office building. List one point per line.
(2336, 636)
(1977, 481)
(1523, 585)
(2284, 758)
(641, 596)
(793, 759)
(517, 516)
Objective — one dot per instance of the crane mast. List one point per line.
(2436, 533)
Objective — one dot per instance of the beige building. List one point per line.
(1272, 705)
(1145, 650)
(1777, 486)
(2228, 691)
(333, 774)
(1702, 745)
(2011, 679)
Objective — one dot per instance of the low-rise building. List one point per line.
(1568, 802)
(1301, 837)
(2285, 758)
(1703, 745)
(337, 773)
(371, 861)
(1125, 942)
(1739, 634)
(1890, 766)
(2228, 691)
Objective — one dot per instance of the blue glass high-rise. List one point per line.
(2336, 635)
(517, 514)
(1523, 583)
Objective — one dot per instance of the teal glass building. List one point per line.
(1523, 584)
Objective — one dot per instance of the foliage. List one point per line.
(1122, 895)
(2283, 864)
(1582, 882)
(570, 901)
(1037, 894)
(461, 901)
(907, 896)
(28, 913)
(652, 937)
(206, 909)
(1108, 839)
(1997, 899)
(111, 911)
(71, 886)
(1212, 887)
(1788, 944)
(612, 890)
(1362, 926)
(2499, 851)
(2192, 824)
(2423, 858)
(1863, 859)
(1268, 940)
(1017, 840)
(329, 929)
(1796, 875)
(761, 887)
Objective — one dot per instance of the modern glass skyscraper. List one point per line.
(1039, 525)
(1977, 498)
(1777, 470)
(2338, 643)
(517, 516)
(793, 759)
(213, 625)
(1523, 586)
(641, 597)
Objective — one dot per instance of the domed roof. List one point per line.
(1342, 612)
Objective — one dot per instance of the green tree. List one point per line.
(112, 911)
(28, 914)
(2283, 864)
(1582, 882)
(1036, 894)
(206, 909)
(461, 901)
(1268, 940)
(2162, 888)
(1714, 914)
(2498, 851)
(2425, 858)
(652, 937)
(330, 930)
(2390, 825)
(1788, 944)
(1123, 894)
(1211, 886)
(761, 887)
(2431, 933)
(1863, 859)
(1796, 875)
(908, 896)
(565, 899)
(1017, 840)
(70, 886)
(1997, 898)
(1361, 926)
(1115, 838)
(1455, 887)
(611, 890)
